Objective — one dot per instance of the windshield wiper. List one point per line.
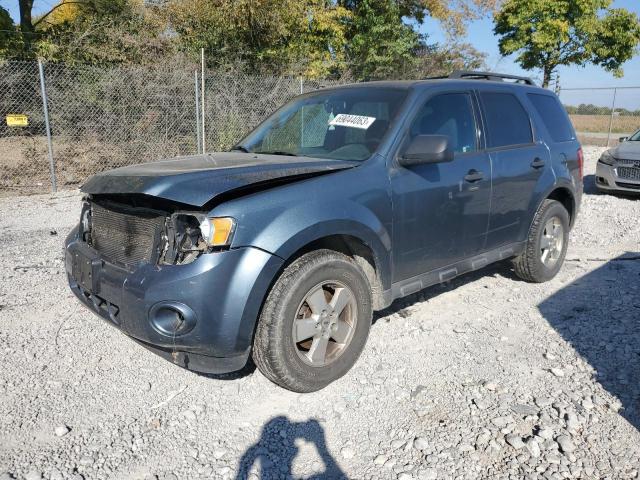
(280, 152)
(240, 148)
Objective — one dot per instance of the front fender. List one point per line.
(296, 227)
(354, 202)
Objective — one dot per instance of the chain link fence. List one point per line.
(23, 148)
(602, 115)
(103, 118)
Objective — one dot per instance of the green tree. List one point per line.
(380, 44)
(280, 36)
(7, 29)
(548, 33)
(102, 32)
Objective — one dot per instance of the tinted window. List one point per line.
(554, 117)
(450, 114)
(507, 120)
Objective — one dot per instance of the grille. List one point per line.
(629, 173)
(125, 237)
(635, 186)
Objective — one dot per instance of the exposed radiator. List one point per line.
(128, 236)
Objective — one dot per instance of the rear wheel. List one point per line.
(546, 245)
(314, 323)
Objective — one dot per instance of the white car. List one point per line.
(618, 169)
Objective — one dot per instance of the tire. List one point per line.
(531, 265)
(285, 361)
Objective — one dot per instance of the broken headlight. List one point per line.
(189, 235)
(85, 222)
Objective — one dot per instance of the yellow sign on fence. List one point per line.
(17, 120)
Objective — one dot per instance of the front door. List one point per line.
(441, 210)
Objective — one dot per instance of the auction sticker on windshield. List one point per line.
(354, 121)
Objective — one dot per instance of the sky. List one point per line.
(480, 35)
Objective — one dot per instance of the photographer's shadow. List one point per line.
(273, 454)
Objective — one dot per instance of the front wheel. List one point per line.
(546, 245)
(314, 323)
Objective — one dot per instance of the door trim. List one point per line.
(419, 282)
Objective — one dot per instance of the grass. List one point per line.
(600, 123)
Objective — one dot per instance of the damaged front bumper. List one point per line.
(200, 316)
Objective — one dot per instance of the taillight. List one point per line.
(580, 162)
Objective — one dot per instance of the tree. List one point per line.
(363, 39)
(453, 14)
(102, 32)
(380, 44)
(280, 36)
(27, 23)
(550, 33)
(6, 30)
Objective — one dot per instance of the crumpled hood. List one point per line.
(197, 179)
(627, 151)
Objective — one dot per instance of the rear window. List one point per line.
(553, 116)
(507, 120)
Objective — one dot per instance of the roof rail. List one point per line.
(496, 77)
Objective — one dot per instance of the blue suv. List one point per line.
(342, 201)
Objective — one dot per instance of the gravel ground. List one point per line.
(485, 377)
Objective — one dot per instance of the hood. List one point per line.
(195, 180)
(627, 151)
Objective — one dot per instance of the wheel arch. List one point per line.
(565, 196)
(362, 253)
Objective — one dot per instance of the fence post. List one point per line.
(613, 111)
(197, 96)
(45, 109)
(204, 144)
(302, 115)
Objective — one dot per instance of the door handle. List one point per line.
(537, 163)
(473, 176)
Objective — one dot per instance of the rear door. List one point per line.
(561, 138)
(519, 160)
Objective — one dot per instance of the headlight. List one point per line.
(607, 158)
(217, 232)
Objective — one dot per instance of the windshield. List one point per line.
(635, 137)
(346, 124)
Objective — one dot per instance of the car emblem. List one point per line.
(636, 164)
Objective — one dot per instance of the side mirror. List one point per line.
(623, 139)
(425, 149)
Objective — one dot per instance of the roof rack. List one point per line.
(496, 77)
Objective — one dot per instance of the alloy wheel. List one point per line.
(324, 324)
(552, 242)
